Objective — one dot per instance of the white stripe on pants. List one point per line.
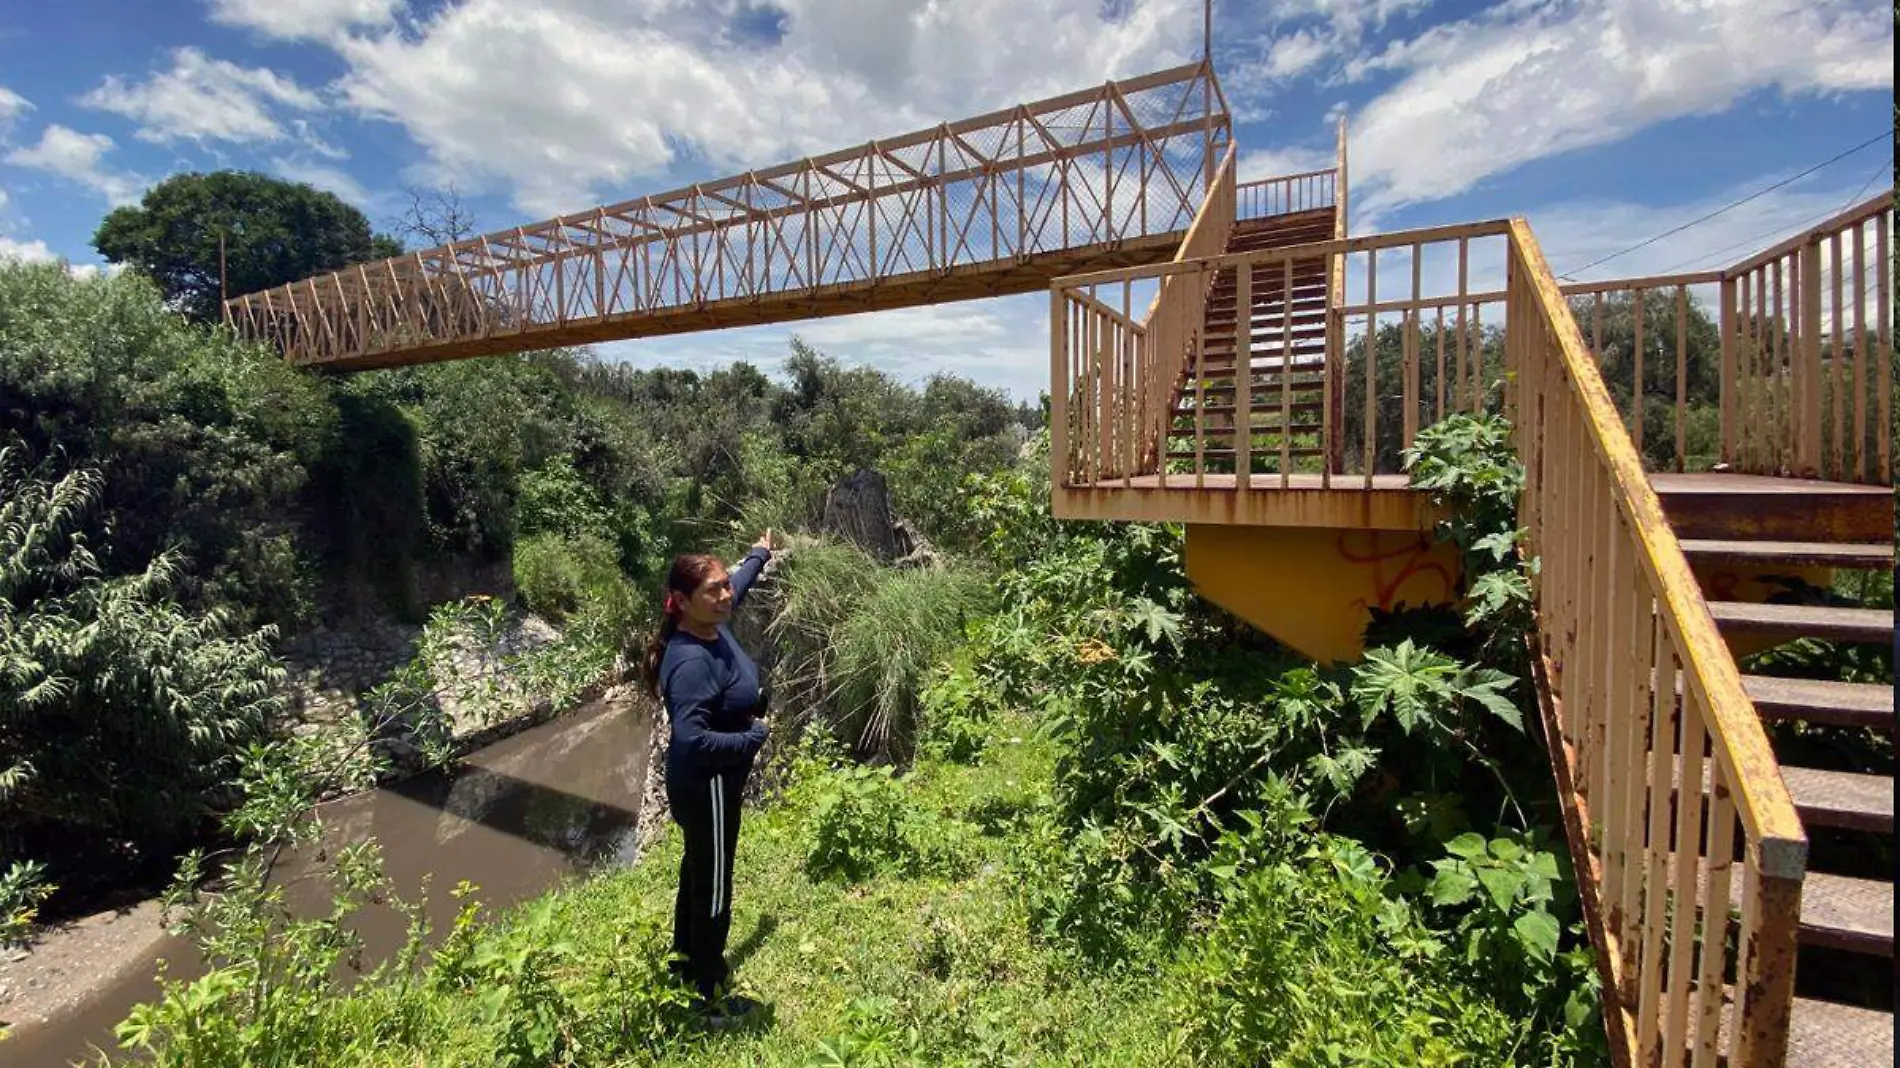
(718, 843)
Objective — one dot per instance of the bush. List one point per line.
(1311, 964)
(121, 714)
(518, 993)
(958, 711)
(560, 576)
(863, 823)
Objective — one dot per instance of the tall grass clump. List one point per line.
(859, 639)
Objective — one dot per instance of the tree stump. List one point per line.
(858, 509)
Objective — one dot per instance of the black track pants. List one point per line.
(707, 811)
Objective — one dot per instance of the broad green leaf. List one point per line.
(1502, 885)
(1452, 886)
(1467, 845)
(1537, 932)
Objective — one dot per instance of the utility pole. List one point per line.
(222, 295)
(1207, 31)
(1207, 97)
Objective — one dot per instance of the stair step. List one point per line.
(1273, 337)
(1793, 553)
(1226, 433)
(1227, 455)
(1803, 621)
(1845, 913)
(1260, 386)
(1730, 506)
(1225, 294)
(1186, 411)
(1841, 799)
(1844, 704)
(1826, 1034)
(1226, 362)
(1271, 305)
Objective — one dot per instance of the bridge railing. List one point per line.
(1288, 194)
(1400, 354)
(1112, 174)
(1113, 395)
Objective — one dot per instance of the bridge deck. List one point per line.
(992, 205)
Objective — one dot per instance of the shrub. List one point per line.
(862, 823)
(559, 576)
(121, 714)
(957, 713)
(863, 638)
(1311, 964)
(205, 444)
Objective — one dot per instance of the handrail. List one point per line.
(1650, 346)
(1642, 700)
(1619, 615)
(1807, 352)
(1333, 388)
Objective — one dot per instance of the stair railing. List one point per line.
(1657, 751)
(1287, 194)
(1807, 352)
(1113, 377)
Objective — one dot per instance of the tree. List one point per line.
(436, 216)
(274, 232)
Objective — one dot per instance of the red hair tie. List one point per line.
(672, 606)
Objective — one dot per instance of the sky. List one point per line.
(1603, 122)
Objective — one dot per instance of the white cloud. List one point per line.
(1296, 53)
(203, 99)
(327, 178)
(79, 157)
(1532, 80)
(1579, 232)
(1263, 47)
(14, 250)
(25, 251)
(12, 106)
(1258, 163)
(572, 101)
(310, 139)
(293, 19)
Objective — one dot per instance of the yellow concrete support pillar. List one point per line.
(1312, 588)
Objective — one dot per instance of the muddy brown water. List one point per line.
(557, 801)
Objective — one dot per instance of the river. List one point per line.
(557, 801)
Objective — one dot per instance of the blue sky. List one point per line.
(1604, 122)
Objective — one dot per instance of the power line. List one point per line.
(1757, 239)
(1883, 135)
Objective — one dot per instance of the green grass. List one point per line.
(891, 970)
(943, 969)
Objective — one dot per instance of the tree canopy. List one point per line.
(274, 232)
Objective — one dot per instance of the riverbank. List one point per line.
(81, 972)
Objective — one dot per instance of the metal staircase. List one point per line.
(1285, 374)
(1842, 1013)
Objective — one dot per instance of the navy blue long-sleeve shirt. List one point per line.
(711, 689)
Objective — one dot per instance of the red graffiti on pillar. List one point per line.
(1409, 558)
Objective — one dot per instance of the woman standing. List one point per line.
(713, 699)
